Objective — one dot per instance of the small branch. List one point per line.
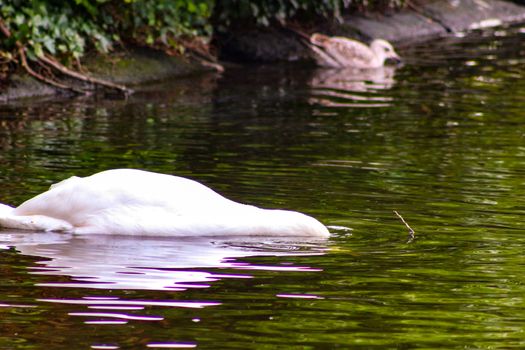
(44, 60)
(201, 52)
(30, 71)
(297, 32)
(420, 11)
(66, 71)
(313, 48)
(23, 61)
(411, 232)
(205, 59)
(4, 29)
(45, 68)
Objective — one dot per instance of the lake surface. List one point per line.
(440, 140)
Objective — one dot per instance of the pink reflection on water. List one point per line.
(280, 268)
(101, 297)
(299, 296)
(172, 345)
(17, 305)
(111, 307)
(115, 315)
(112, 318)
(106, 322)
(146, 263)
(152, 263)
(119, 302)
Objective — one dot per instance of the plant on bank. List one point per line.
(38, 30)
(231, 13)
(46, 37)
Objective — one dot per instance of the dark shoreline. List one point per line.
(417, 23)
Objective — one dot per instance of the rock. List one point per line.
(132, 67)
(423, 20)
(435, 18)
(23, 86)
(406, 25)
(262, 45)
(459, 16)
(139, 66)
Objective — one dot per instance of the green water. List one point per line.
(441, 140)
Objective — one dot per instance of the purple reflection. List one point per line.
(106, 322)
(299, 296)
(152, 263)
(120, 302)
(115, 315)
(147, 263)
(172, 345)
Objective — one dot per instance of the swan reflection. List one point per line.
(352, 87)
(151, 263)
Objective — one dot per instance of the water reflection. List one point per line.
(351, 87)
(447, 154)
(138, 263)
(153, 263)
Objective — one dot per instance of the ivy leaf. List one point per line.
(19, 19)
(192, 8)
(37, 47)
(49, 44)
(31, 54)
(149, 39)
(62, 48)
(264, 21)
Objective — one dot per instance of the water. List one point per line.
(440, 140)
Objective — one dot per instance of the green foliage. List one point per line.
(68, 28)
(265, 12)
(165, 19)
(56, 29)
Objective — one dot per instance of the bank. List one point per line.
(419, 21)
(425, 20)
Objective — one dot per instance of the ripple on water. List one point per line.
(445, 150)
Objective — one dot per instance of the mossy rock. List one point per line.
(138, 66)
(131, 68)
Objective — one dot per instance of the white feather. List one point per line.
(340, 52)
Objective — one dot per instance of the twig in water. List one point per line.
(411, 232)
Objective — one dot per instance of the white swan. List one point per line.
(136, 202)
(341, 52)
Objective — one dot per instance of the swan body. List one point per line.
(136, 202)
(341, 52)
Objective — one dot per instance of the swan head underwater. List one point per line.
(137, 202)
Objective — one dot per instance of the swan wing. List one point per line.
(77, 200)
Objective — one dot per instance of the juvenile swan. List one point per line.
(136, 202)
(340, 52)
